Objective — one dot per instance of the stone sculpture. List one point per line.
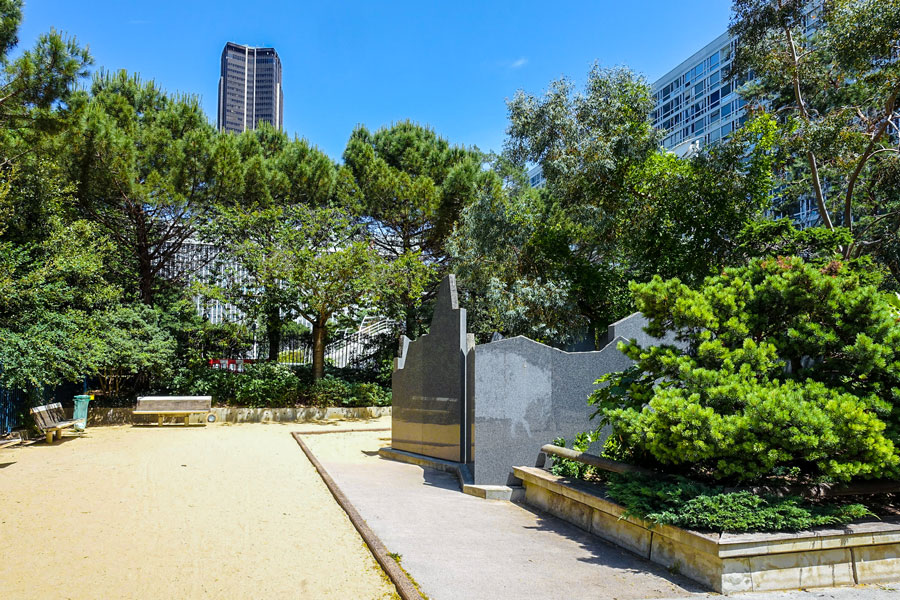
(494, 405)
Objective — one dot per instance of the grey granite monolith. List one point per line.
(494, 405)
(429, 385)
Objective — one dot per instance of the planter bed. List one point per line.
(858, 553)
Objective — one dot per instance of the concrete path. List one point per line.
(458, 546)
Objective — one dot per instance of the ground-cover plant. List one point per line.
(781, 366)
(685, 503)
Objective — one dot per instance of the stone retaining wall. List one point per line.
(99, 416)
(858, 553)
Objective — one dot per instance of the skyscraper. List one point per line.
(249, 88)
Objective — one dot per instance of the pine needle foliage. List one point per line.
(778, 365)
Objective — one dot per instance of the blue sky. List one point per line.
(450, 65)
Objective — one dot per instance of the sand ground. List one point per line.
(219, 511)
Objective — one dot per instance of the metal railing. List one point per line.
(13, 405)
(357, 346)
(352, 349)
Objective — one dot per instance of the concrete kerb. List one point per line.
(462, 472)
(351, 430)
(401, 580)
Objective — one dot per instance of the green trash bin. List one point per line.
(81, 412)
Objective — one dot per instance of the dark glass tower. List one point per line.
(249, 88)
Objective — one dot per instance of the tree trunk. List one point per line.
(810, 156)
(318, 334)
(145, 274)
(410, 324)
(273, 333)
(142, 248)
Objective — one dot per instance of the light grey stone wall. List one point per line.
(527, 394)
(632, 328)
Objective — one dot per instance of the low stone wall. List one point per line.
(858, 553)
(99, 416)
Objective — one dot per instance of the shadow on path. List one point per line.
(606, 553)
(440, 479)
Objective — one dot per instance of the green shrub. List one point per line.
(783, 365)
(204, 381)
(274, 385)
(266, 385)
(261, 385)
(368, 394)
(573, 469)
(328, 391)
(690, 505)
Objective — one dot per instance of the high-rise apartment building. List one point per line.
(696, 103)
(250, 88)
(536, 177)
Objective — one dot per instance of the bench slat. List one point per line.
(173, 404)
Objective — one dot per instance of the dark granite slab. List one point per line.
(429, 385)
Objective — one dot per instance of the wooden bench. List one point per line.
(51, 420)
(172, 406)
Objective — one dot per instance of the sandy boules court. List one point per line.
(222, 511)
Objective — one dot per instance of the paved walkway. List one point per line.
(459, 546)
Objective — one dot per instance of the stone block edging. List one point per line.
(857, 553)
(100, 416)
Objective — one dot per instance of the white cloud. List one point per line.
(518, 64)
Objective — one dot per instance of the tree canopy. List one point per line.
(140, 162)
(413, 185)
(554, 263)
(829, 76)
